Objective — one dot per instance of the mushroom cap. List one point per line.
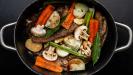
(38, 30)
(49, 56)
(78, 31)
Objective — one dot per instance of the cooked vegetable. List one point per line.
(89, 15)
(34, 47)
(41, 62)
(78, 21)
(53, 21)
(38, 30)
(69, 19)
(59, 40)
(81, 33)
(94, 26)
(96, 49)
(69, 50)
(62, 53)
(85, 48)
(72, 42)
(61, 33)
(50, 55)
(80, 10)
(76, 65)
(46, 13)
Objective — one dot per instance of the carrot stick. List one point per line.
(94, 26)
(43, 63)
(69, 19)
(45, 15)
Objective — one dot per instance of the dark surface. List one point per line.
(121, 63)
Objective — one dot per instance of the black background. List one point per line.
(121, 63)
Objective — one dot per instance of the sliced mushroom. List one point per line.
(50, 55)
(76, 65)
(59, 40)
(78, 21)
(85, 48)
(38, 30)
(81, 33)
(72, 42)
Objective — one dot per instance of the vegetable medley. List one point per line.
(66, 38)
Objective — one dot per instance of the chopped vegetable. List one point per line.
(69, 19)
(69, 50)
(46, 13)
(93, 29)
(96, 49)
(72, 42)
(53, 21)
(41, 62)
(58, 40)
(85, 48)
(80, 10)
(78, 21)
(76, 65)
(81, 33)
(38, 30)
(50, 55)
(88, 16)
(34, 47)
(62, 53)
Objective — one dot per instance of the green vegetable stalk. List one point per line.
(69, 50)
(89, 15)
(96, 49)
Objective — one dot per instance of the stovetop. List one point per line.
(121, 63)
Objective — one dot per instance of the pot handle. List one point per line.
(1, 36)
(130, 37)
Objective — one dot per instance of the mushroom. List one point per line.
(38, 30)
(72, 42)
(76, 65)
(59, 40)
(85, 48)
(78, 21)
(81, 33)
(50, 55)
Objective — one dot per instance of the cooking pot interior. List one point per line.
(28, 59)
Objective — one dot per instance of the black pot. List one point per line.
(108, 48)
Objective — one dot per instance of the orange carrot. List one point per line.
(69, 19)
(93, 29)
(45, 15)
(43, 63)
